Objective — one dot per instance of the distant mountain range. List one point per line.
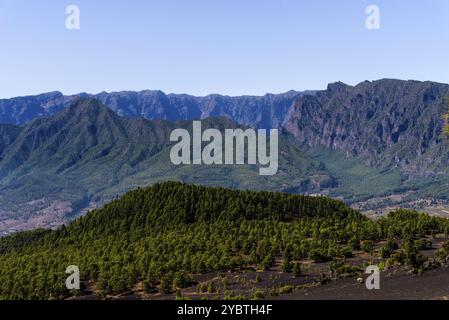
(375, 145)
(256, 111)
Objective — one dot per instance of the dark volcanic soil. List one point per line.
(395, 285)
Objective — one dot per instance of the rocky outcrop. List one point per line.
(388, 122)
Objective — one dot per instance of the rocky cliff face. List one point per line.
(256, 111)
(388, 122)
(262, 112)
(23, 109)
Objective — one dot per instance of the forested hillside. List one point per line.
(55, 168)
(158, 237)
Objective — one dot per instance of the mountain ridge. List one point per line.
(385, 111)
(265, 111)
(393, 126)
(86, 155)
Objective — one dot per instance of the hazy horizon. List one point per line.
(210, 94)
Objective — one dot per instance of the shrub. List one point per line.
(297, 270)
(367, 246)
(183, 280)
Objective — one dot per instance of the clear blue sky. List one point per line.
(217, 46)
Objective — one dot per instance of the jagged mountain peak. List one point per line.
(337, 86)
(88, 105)
(40, 96)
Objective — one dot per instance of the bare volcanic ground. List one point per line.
(396, 284)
